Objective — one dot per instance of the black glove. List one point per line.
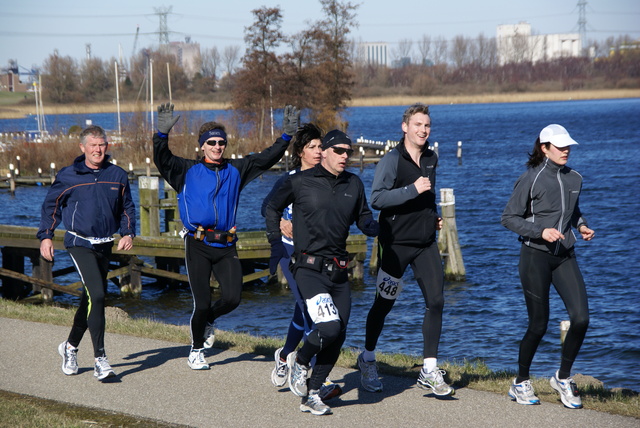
(278, 252)
(371, 227)
(166, 120)
(291, 120)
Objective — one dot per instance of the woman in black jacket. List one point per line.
(542, 210)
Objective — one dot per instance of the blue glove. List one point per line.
(278, 252)
(371, 227)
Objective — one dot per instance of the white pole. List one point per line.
(151, 91)
(271, 107)
(169, 80)
(117, 97)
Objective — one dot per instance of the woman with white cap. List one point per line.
(542, 210)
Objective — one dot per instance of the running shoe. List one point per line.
(69, 356)
(314, 404)
(102, 369)
(298, 375)
(369, 375)
(329, 390)
(280, 372)
(196, 360)
(435, 382)
(568, 390)
(523, 393)
(209, 336)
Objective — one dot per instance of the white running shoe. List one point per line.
(523, 393)
(568, 390)
(298, 375)
(314, 404)
(280, 372)
(369, 375)
(102, 369)
(434, 381)
(209, 336)
(69, 356)
(196, 360)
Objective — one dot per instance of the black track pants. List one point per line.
(93, 266)
(538, 270)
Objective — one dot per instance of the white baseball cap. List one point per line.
(556, 135)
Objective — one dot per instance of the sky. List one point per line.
(31, 30)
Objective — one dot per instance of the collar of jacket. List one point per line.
(214, 165)
(320, 171)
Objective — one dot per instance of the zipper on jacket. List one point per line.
(561, 211)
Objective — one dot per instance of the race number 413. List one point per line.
(322, 309)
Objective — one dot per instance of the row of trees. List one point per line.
(321, 68)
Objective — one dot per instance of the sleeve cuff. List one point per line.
(286, 137)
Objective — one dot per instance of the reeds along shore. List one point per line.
(19, 110)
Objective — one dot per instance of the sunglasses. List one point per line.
(220, 143)
(342, 150)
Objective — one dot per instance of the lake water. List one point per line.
(485, 315)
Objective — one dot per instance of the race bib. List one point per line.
(388, 286)
(322, 309)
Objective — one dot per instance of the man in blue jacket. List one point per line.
(93, 199)
(208, 192)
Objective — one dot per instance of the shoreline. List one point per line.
(18, 111)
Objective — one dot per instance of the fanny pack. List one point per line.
(214, 236)
(336, 268)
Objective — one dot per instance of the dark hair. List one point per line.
(208, 126)
(94, 131)
(305, 134)
(416, 108)
(537, 156)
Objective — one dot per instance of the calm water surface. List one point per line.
(485, 315)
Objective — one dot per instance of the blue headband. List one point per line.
(212, 133)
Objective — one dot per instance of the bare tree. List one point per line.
(424, 47)
(230, 57)
(252, 93)
(440, 47)
(96, 76)
(402, 54)
(210, 62)
(460, 51)
(60, 78)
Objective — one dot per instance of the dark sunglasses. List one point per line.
(221, 143)
(342, 150)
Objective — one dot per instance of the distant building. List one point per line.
(10, 82)
(374, 53)
(188, 56)
(515, 43)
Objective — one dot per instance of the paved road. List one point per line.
(155, 382)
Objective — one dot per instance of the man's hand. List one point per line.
(286, 228)
(371, 228)
(422, 184)
(278, 252)
(291, 120)
(166, 120)
(46, 249)
(126, 243)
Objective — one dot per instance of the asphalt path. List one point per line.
(155, 382)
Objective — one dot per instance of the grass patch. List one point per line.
(460, 374)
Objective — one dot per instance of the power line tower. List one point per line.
(582, 24)
(163, 30)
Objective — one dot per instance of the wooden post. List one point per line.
(454, 266)
(149, 206)
(361, 159)
(52, 172)
(42, 269)
(459, 153)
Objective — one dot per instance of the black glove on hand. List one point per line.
(371, 228)
(278, 251)
(291, 120)
(166, 120)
